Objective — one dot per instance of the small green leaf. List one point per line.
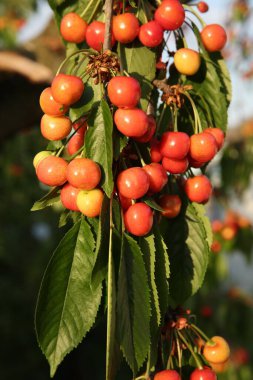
(151, 203)
(48, 200)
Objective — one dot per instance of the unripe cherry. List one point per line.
(131, 122)
(124, 92)
(52, 171)
(49, 105)
(157, 177)
(187, 61)
(175, 145)
(175, 166)
(170, 14)
(73, 28)
(151, 34)
(138, 219)
(83, 173)
(203, 147)
(90, 202)
(40, 156)
(218, 134)
(67, 89)
(171, 204)
(68, 197)
(198, 189)
(133, 183)
(55, 128)
(216, 350)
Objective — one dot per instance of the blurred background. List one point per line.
(30, 52)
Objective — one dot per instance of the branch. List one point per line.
(108, 24)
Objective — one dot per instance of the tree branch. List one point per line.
(108, 24)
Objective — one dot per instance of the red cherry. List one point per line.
(125, 27)
(73, 28)
(171, 205)
(67, 89)
(168, 374)
(80, 126)
(155, 153)
(193, 163)
(198, 189)
(151, 34)
(75, 143)
(68, 197)
(52, 171)
(49, 105)
(150, 132)
(55, 128)
(170, 14)
(203, 374)
(133, 183)
(95, 35)
(218, 134)
(124, 202)
(157, 177)
(124, 92)
(203, 147)
(131, 122)
(213, 37)
(175, 145)
(203, 7)
(138, 219)
(175, 166)
(83, 173)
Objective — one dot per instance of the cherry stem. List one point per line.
(139, 154)
(108, 9)
(93, 12)
(197, 126)
(144, 10)
(161, 118)
(179, 352)
(197, 361)
(79, 64)
(69, 57)
(190, 9)
(194, 327)
(175, 118)
(170, 362)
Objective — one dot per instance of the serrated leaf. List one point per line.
(67, 306)
(99, 145)
(133, 304)
(201, 213)
(48, 200)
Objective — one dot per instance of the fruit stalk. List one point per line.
(108, 24)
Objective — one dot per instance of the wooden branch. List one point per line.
(108, 24)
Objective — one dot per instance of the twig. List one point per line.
(108, 24)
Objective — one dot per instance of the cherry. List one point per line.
(40, 156)
(68, 197)
(220, 367)
(73, 28)
(131, 122)
(52, 171)
(125, 27)
(49, 105)
(157, 177)
(55, 128)
(213, 37)
(198, 189)
(168, 374)
(217, 225)
(83, 173)
(203, 374)
(170, 14)
(187, 61)
(124, 92)
(216, 350)
(67, 89)
(124, 202)
(95, 35)
(175, 145)
(175, 166)
(203, 147)
(203, 7)
(218, 134)
(193, 163)
(155, 153)
(133, 183)
(138, 219)
(75, 143)
(229, 232)
(216, 246)
(90, 202)
(80, 126)
(171, 205)
(150, 132)
(151, 34)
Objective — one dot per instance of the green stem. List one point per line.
(175, 118)
(139, 154)
(197, 361)
(161, 118)
(197, 122)
(179, 352)
(69, 57)
(194, 327)
(187, 8)
(79, 65)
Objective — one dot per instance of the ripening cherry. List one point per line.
(49, 105)
(157, 177)
(218, 134)
(187, 61)
(125, 27)
(40, 156)
(175, 166)
(213, 37)
(198, 189)
(73, 28)
(138, 219)
(155, 153)
(67, 89)
(95, 35)
(83, 173)
(55, 128)
(133, 183)
(90, 202)
(131, 122)
(52, 171)
(203, 147)
(175, 145)
(170, 14)
(203, 374)
(171, 204)
(68, 197)
(203, 7)
(216, 350)
(220, 367)
(75, 143)
(124, 92)
(125, 203)
(151, 34)
(167, 374)
(150, 132)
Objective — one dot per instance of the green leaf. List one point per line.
(188, 246)
(99, 145)
(201, 213)
(151, 203)
(67, 306)
(48, 200)
(133, 306)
